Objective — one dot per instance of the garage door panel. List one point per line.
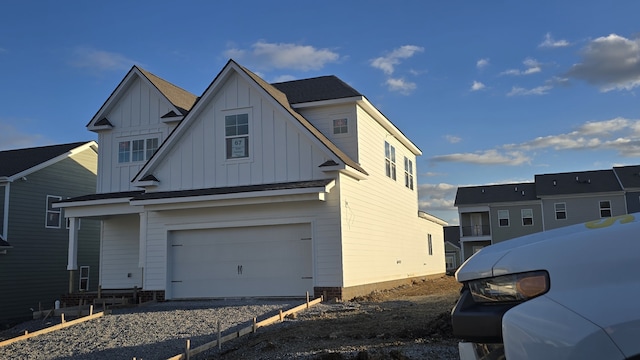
(253, 261)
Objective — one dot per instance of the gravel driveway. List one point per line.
(154, 331)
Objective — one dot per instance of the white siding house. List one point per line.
(255, 189)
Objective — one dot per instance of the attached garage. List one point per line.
(273, 260)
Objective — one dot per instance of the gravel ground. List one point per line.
(155, 331)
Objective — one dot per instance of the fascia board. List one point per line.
(91, 144)
(581, 195)
(327, 102)
(87, 210)
(101, 202)
(389, 126)
(213, 201)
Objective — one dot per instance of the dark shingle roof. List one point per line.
(495, 193)
(579, 182)
(13, 162)
(316, 89)
(629, 176)
(179, 97)
(452, 235)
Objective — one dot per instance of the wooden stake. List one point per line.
(187, 349)
(219, 336)
(254, 324)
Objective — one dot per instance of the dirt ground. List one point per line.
(394, 324)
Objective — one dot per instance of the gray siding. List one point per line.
(515, 228)
(34, 271)
(581, 209)
(633, 202)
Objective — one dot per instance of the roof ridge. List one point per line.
(178, 96)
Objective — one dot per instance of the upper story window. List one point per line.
(408, 173)
(561, 211)
(429, 244)
(53, 215)
(237, 135)
(340, 126)
(503, 218)
(390, 160)
(605, 208)
(527, 217)
(136, 150)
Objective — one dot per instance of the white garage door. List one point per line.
(256, 261)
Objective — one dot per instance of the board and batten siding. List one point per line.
(119, 253)
(322, 215)
(279, 151)
(34, 271)
(383, 237)
(136, 115)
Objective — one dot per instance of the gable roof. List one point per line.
(486, 194)
(21, 161)
(629, 176)
(181, 99)
(579, 182)
(278, 96)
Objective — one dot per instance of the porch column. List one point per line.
(142, 251)
(72, 262)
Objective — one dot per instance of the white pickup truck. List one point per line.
(568, 293)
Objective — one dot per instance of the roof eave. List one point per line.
(388, 125)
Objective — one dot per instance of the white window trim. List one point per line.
(408, 173)
(80, 278)
(500, 218)
(225, 113)
(54, 211)
(429, 244)
(610, 208)
(130, 139)
(333, 127)
(555, 210)
(391, 160)
(523, 217)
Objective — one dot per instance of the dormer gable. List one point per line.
(178, 100)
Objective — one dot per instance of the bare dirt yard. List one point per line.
(409, 322)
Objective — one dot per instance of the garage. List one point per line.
(255, 261)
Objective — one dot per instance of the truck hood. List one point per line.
(486, 262)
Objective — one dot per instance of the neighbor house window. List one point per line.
(53, 215)
(450, 261)
(390, 160)
(527, 217)
(429, 244)
(605, 208)
(408, 173)
(340, 126)
(503, 218)
(236, 130)
(84, 278)
(561, 211)
(137, 150)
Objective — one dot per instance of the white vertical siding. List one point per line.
(136, 114)
(279, 150)
(119, 252)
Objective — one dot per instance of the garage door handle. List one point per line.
(176, 281)
(307, 277)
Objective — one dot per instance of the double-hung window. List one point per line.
(53, 215)
(84, 278)
(605, 208)
(408, 173)
(390, 160)
(236, 130)
(503, 218)
(561, 211)
(527, 217)
(137, 150)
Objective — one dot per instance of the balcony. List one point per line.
(476, 230)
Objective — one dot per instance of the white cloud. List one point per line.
(266, 55)
(436, 196)
(519, 91)
(482, 63)
(618, 134)
(100, 60)
(400, 85)
(13, 138)
(486, 157)
(477, 86)
(388, 62)
(453, 139)
(550, 42)
(610, 63)
(532, 66)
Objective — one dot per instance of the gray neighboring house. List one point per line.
(34, 235)
(490, 214)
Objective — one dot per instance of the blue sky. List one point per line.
(490, 91)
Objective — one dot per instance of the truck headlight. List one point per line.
(510, 288)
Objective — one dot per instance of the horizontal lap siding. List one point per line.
(325, 233)
(383, 237)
